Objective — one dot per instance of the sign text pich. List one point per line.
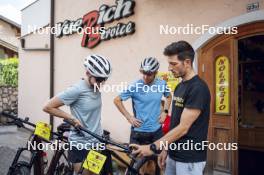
(92, 24)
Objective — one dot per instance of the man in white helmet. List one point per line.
(85, 104)
(146, 94)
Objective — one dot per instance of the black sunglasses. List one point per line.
(100, 79)
(147, 73)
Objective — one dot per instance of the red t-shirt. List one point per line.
(166, 125)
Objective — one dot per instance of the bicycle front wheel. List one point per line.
(21, 168)
(63, 169)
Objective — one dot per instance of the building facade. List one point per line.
(9, 33)
(135, 30)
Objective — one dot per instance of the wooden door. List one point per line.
(222, 127)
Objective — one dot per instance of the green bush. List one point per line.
(9, 72)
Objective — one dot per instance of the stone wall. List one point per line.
(8, 99)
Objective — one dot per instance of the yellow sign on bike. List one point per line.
(94, 162)
(43, 130)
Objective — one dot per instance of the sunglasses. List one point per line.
(147, 73)
(100, 79)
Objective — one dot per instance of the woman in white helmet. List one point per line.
(85, 104)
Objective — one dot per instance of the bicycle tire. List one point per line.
(62, 168)
(21, 168)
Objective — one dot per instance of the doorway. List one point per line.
(243, 122)
(251, 104)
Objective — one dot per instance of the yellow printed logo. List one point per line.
(94, 161)
(179, 101)
(43, 130)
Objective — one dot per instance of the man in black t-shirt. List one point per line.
(186, 140)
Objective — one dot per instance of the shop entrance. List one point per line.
(232, 65)
(251, 104)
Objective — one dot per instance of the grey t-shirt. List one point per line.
(85, 105)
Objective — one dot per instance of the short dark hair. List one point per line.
(182, 49)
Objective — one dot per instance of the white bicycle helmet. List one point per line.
(149, 64)
(98, 66)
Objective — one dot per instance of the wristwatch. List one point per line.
(166, 111)
(154, 149)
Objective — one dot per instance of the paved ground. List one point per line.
(11, 139)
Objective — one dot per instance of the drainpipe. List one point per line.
(52, 11)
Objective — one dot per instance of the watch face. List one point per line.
(153, 148)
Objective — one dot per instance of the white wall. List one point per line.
(34, 78)
(34, 67)
(33, 90)
(37, 14)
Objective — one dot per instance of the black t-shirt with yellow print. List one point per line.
(193, 94)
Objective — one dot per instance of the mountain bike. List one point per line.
(59, 164)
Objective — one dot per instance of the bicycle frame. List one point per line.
(58, 153)
(102, 139)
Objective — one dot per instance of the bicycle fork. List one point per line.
(15, 161)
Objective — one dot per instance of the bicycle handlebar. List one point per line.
(99, 137)
(20, 122)
(16, 119)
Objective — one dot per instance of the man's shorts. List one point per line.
(181, 168)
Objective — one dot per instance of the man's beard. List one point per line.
(180, 74)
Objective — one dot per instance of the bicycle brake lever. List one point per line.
(132, 156)
(128, 150)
